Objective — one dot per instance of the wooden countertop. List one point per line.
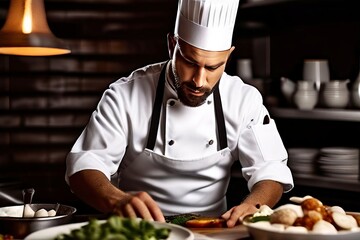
(235, 233)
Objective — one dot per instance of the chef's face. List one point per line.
(196, 71)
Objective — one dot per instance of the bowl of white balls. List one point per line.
(21, 220)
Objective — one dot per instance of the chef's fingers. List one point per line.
(227, 214)
(128, 211)
(237, 213)
(155, 210)
(141, 209)
(151, 206)
(231, 217)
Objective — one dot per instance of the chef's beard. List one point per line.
(189, 99)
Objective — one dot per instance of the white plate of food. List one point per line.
(262, 233)
(307, 219)
(176, 232)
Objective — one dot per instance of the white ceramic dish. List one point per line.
(177, 232)
(260, 233)
(12, 222)
(339, 150)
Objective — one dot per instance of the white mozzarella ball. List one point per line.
(52, 213)
(28, 212)
(41, 213)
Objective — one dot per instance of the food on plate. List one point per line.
(116, 227)
(18, 211)
(192, 220)
(181, 219)
(41, 213)
(286, 216)
(29, 213)
(206, 222)
(307, 215)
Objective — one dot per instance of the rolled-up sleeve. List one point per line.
(102, 144)
(262, 153)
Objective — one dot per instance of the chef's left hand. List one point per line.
(237, 213)
(264, 192)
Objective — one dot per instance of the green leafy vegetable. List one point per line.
(117, 228)
(181, 219)
(260, 218)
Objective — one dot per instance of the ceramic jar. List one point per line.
(355, 92)
(287, 88)
(306, 96)
(336, 94)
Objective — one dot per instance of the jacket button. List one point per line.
(172, 103)
(171, 142)
(211, 142)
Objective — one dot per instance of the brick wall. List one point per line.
(45, 101)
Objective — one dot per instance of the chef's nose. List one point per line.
(199, 77)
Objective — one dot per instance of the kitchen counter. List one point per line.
(235, 233)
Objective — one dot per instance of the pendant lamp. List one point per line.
(26, 31)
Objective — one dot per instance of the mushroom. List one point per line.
(296, 208)
(337, 209)
(286, 216)
(324, 227)
(309, 219)
(312, 204)
(344, 221)
(299, 200)
(314, 215)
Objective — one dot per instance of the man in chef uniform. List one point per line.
(171, 131)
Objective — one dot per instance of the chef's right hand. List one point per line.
(139, 205)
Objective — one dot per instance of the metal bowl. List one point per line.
(20, 227)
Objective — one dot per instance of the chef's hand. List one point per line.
(139, 205)
(264, 192)
(237, 213)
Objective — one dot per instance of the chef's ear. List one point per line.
(229, 55)
(171, 43)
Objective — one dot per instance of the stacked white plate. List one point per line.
(302, 160)
(341, 162)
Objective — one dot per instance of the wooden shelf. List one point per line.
(317, 114)
(270, 15)
(265, 3)
(327, 182)
(319, 181)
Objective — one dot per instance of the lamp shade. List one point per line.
(26, 31)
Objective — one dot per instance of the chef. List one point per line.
(163, 139)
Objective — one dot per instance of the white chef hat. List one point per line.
(206, 24)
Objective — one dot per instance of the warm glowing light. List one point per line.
(27, 19)
(26, 32)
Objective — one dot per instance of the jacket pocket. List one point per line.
(269, 142)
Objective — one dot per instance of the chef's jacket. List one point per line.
(115, 139)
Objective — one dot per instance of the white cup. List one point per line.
(317, 71)
(244, 69)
